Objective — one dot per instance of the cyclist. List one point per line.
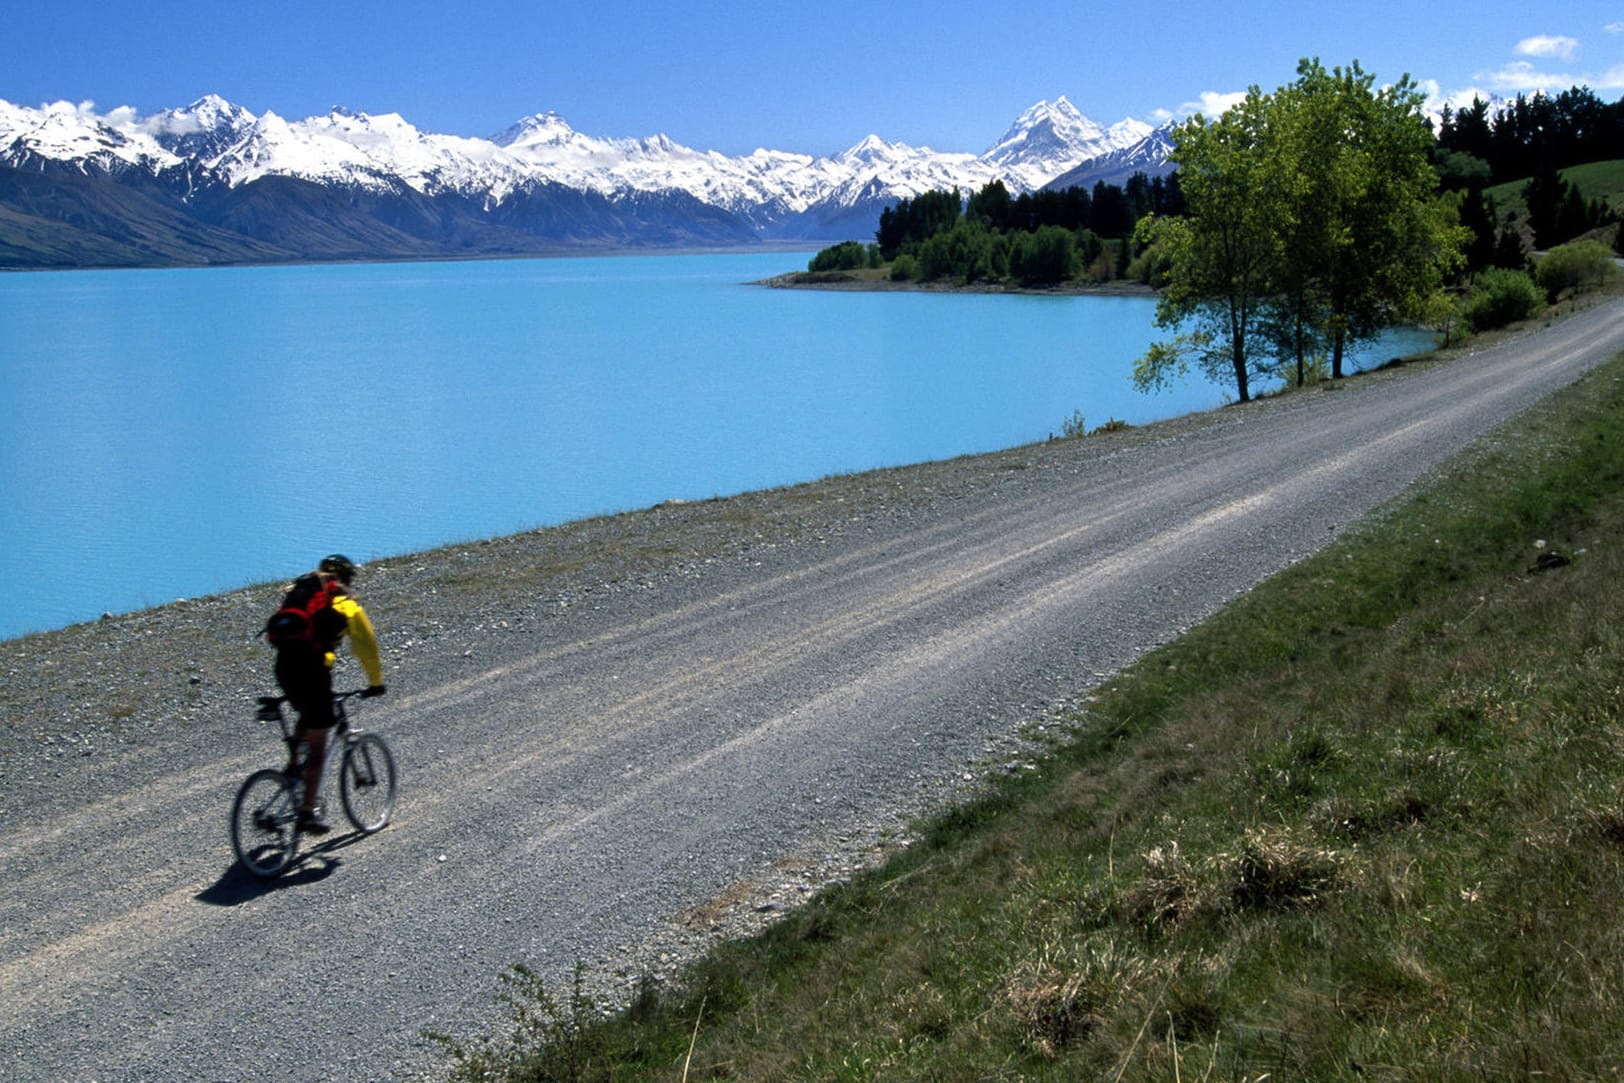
(327, 612)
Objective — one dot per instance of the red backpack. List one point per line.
(306, 615)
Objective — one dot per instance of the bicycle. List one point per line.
(265, 816)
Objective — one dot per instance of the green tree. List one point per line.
(845, 256)
(1381, 239)
(1576, 215)
(1313, 222)
(1500, 297)
(1307, 122)
(968, 251)
(1544, 195)
(1043, 257)
(1113, 216)
(911, 221)
(1510, 254)
(1477, 217)
(992, 205)
(1222, 254)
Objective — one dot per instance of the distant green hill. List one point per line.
(1597, 180)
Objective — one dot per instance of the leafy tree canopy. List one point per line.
(1311, 223)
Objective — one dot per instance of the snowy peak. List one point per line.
(1053, 137)
(874, 151)
(77, 135)
(203, 130)
(1047, 124)
(540, 130)
(1151, 155)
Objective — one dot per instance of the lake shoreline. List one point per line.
(845, 281)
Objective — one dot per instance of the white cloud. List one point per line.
(1456, 100)
(1528, 77)
(1212, 104)
(1548, 45)
(1521, 77)
(62, 106)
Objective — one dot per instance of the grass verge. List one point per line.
(1366, 823)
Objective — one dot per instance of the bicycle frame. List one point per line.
(270, 708)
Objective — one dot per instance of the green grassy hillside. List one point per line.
(1597, 180)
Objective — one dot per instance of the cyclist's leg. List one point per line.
(308, 683)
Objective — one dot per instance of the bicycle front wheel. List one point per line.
(366, 782)
(265, 823)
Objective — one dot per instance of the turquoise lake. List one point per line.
(172, 433)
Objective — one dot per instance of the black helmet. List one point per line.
(339, 566)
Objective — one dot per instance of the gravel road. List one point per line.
(623, 738)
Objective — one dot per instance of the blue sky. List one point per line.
(805, 76)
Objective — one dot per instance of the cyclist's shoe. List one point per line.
(314, 821)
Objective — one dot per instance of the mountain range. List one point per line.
(214, 183)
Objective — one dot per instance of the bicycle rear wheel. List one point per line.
(265, 823)
(366, 782)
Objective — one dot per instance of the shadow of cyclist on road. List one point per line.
(237, 885)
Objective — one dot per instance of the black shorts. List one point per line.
(308, 684)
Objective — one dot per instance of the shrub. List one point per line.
(846, 256)
(1151, 266)
(1045, 256)
(1574, 266)
(904, 269)
(1500, 297)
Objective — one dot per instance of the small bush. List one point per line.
(1152, 267)
(846, 256)
(1500, 298)
(904, 269)
(1577, 266)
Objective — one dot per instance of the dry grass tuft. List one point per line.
(1273, 871)
(1167, 894)
(1062, 997)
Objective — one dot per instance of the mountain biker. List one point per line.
(304, 669)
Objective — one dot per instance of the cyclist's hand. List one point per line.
(375, 690)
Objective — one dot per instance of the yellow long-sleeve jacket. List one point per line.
(363, 640)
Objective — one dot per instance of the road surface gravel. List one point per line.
(623, 738)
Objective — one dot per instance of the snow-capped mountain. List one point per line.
(79, 137)
(1053, 137)
(203, 130)
(339, 183)
(1149, 155)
